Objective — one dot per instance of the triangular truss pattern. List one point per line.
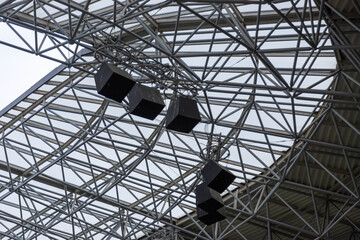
(277, 84)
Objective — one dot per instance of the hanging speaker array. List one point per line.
(211, 217)
(217, 177)
(209, 204)
(207, 199)
(145, 101)
(114, 83)
(182, 116)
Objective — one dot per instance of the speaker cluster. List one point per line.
(209, 204)
(114, 83)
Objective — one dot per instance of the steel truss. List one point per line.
(278, 87)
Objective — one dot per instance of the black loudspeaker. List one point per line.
(216, 177)
(183, 115)
(112, 82)
(145, 101)
(208, 199)
(211, 217)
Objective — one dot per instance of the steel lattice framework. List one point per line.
(278, 88)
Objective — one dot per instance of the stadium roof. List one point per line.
(278, 88)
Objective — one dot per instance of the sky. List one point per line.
(19, 70)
